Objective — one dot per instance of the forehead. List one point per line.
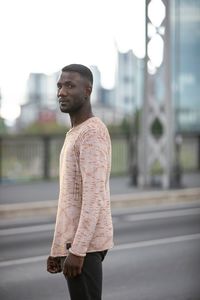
(70, 76)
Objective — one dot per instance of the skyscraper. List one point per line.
(128, 82)
(185, 33)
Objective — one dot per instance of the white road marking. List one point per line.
(126, 246)
(156, 242)
(162, 214)
(129, 218)
(22, 261)
(26, 229)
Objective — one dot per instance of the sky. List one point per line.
(45, 35)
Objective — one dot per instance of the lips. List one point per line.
(62, 101)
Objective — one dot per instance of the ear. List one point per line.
(88, 90)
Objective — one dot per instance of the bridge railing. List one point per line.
(31, 157)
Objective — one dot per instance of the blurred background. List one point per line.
(146, 85)
(145, 57)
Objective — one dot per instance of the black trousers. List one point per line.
(88, 285)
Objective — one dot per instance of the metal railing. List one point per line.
(37, 156)
(34, 157)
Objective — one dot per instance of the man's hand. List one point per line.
(73, 265)
(53, 265)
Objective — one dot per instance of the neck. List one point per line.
(81, 116)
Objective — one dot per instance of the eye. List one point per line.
(69, 85)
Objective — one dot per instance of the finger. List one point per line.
(71, 271)
(74, 272)
(79, 272)
(66, 270)
(51, 270)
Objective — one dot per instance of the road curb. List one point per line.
(156, 197)
(145, 198)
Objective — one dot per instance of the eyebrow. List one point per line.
(65, 82)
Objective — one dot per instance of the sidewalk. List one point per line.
(40, 198)
(48, 190)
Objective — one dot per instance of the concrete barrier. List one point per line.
(145, 198)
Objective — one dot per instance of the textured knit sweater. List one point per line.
(84, 214)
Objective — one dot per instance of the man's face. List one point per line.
(72, 91)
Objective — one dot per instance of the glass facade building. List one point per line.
(185, 38)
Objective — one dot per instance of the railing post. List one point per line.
(1, 159)
(198, 167)
(46, 157)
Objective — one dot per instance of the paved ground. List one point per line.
(156, 257)
(48, 190)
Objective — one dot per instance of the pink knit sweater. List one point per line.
(84, 214)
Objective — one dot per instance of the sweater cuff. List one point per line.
(76, 253)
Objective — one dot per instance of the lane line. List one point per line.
(163, 214)
(26, 229)
(129, 218)
(126, 246)
(156, 242)
(22, 261)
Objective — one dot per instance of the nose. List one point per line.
(61, 92)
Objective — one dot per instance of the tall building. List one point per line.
(128, 83)
(41, 101)
(96, 91)
(41, 89)
(0, 100)
(185, 37)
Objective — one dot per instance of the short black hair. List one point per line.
(81, 69)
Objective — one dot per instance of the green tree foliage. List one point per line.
(45, 128)
(128, 125)
(3, 127)
(157, 128)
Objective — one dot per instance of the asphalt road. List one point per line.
(156, 257)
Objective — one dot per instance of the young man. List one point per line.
(83, 230)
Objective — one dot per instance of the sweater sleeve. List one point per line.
(94, 166)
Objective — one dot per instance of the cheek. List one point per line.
(79, 97)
